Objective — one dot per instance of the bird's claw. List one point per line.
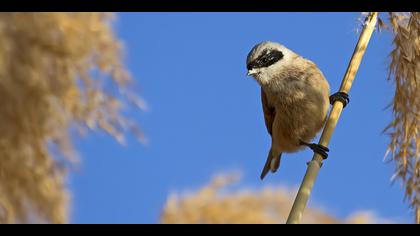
(340, 96)
(317, 148)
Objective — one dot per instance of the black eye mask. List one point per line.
(266, 59)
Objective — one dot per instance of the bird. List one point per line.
(295, 100)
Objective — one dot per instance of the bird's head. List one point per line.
(267, 59)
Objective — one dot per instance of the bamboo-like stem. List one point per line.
(314, 166)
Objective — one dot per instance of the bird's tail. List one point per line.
(272, 164)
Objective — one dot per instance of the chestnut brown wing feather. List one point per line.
(269, 112)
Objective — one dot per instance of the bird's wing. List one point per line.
(269, 112)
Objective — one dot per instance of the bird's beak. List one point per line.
(251, 72)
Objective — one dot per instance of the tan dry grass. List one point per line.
(58, 72)
(216, 204)
(404, 71)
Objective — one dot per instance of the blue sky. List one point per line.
(205, 116)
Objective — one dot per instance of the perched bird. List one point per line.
(295, 99)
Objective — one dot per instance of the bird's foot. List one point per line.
(317, 148)
(340, 96)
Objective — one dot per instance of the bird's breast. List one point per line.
(300, 114)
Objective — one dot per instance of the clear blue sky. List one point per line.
(205, 116)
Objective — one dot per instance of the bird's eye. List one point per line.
(270, 58)
(265, 59)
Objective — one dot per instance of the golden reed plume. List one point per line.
(404, 71)
(56, 71)
(215, 204)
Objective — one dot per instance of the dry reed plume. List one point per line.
(404, 71)
(215, 204)
(60, 74)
